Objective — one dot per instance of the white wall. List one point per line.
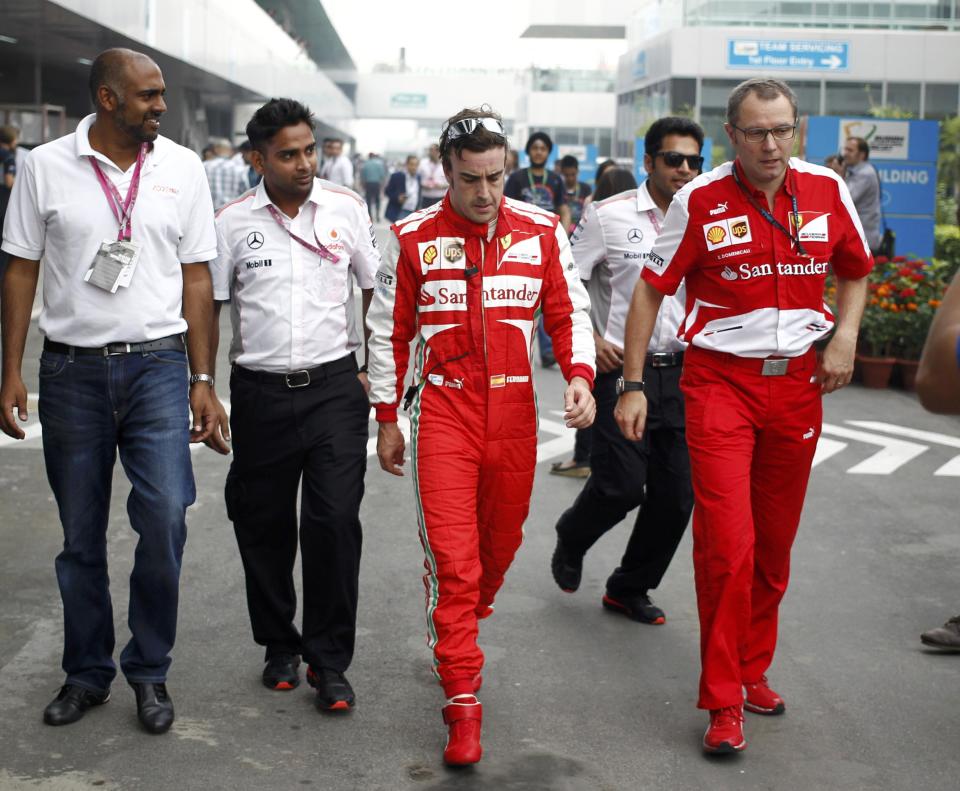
(570, 109)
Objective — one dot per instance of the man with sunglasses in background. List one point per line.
(753, 241)
(610, 246)
(468, 276)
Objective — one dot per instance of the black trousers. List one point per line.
(653, 473)
(314, 438)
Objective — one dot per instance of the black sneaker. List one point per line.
(281, 672)
(334, 692)
(946, 637)
(71, 703)
(637, 608)
(567, 568)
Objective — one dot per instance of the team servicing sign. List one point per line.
(904, 154)
(788, 55)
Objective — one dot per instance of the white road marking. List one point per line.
(951, 468)
(827, 448)
(894, 453)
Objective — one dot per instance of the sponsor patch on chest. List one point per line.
(727, 232)
(810, 226)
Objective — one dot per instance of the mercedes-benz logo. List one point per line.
(635, 235)
(254, 240)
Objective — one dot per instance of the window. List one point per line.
(941, 100)
(852, 98)
(683, 96)
(904, 96)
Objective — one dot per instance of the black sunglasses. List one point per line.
(674, 159)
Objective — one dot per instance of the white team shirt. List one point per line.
(431, 173)
(339, 170)
(290, 308)
(610, 245)
(58, 213)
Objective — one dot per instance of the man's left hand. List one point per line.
(219, 439)
(205, 417)
(836, 365)
(365, 381)
(579, 408)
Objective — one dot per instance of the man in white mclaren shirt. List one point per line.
(287, 251)
(610, 245)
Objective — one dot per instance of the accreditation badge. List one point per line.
(114, 265)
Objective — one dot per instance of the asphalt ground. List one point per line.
(574, 697)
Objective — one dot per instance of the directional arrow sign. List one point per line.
(832, 63)
(951, 468)
(894, 453)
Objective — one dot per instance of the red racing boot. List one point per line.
(760, 699)
(725, 732)
(463, 715)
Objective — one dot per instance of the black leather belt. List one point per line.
(170, 343)
(297, 379)
(664, 359)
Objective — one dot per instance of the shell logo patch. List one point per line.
(716, 234)
(430, 254)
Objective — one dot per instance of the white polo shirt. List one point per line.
(610, 246)
(292, 309)
(58, 213)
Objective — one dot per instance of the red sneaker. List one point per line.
(760, 699)
(463, 715)
(725, 733)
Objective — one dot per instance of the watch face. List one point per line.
(619, 385)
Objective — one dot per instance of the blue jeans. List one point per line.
(91, 407)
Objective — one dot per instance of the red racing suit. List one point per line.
(471, 294)
(752, 422)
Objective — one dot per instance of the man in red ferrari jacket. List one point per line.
(468, 276)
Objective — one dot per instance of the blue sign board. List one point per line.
(904, 154)
(787, 55)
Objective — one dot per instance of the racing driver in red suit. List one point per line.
(469, 276)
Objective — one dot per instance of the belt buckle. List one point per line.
(295, 383)
(124, 350)
(775, 367)
(661, 360)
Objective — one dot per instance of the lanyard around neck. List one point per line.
(765, 213)
(122, 208)
(318, 249)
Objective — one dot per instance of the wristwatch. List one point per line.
(201, 378)
(625, 385)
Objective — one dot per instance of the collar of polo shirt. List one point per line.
(158, 151)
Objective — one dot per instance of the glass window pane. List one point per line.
(603, 144)
(904, 96)
(683, 98)
(940, 100)
(852, 98)
(566, 136)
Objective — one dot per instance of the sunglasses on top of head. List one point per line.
(674, 159)
(468, 126)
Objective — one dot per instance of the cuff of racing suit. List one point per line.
(581, 370)
(386, 413)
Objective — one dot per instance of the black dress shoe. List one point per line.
(567, 568)
(334, 692)
(71, 703)
(154, 707)
(281, 672)
(637, 608)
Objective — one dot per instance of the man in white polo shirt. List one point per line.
(288, 249)
(123, 221)
(610, 246)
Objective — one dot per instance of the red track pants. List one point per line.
(752, 439)
(474, 456)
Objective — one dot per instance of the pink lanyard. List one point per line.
(651, 215)
(320, 250)
(122, 208)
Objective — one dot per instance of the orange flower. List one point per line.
(911, 306)
(894, 308)
(934, 303)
